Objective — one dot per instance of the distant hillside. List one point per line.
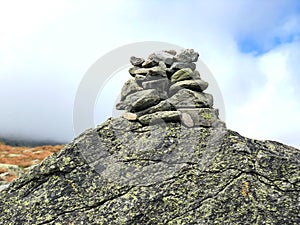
(28, 143)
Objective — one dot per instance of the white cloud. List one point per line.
(44, 57)
(271, 112)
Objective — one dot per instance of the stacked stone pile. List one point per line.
(168, 87)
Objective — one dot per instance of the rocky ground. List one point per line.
(14, 161)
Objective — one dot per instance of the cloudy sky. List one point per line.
(251, 47)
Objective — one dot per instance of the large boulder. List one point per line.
(124, 173)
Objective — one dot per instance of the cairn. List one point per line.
(167, 86)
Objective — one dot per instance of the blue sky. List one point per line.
(251, 47)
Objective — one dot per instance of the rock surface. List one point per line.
(167, 160)
(123, 173)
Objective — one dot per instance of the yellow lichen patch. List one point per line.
(245, 189)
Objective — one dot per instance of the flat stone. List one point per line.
(181, 65)
(182, 74)
(195, 85)
(156, 71)
(129, 87)
(186, 98)
(187, 55)
(149, 63)
(162, 106)
(130, 116)
(164, 56)
(167, 116)
(135, 61)
(162, 85)
(205, 117)
(139, 100)
(187, 120)
(132, 70)
(171, 51)
(142, 71)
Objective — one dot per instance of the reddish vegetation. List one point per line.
(23, 157)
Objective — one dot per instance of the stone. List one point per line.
(167, 116)
(3, 185)
(157, 71)
(162, 65)
(140, 79)
(160, 85)
(187, 55)
(172, 52)
(187, 120)
(162, 106)
(141, 71)
(166, 173)
(130, 116)
(202, 116)
(195, 85)
(181, 65)
(182, 74)
(122, 106)
(163, 95)
(149, 63)
(163, 56)
(186, 98)
(139, 100)
(196, 75)
(132, 70)
(136, 61)
(129, 87)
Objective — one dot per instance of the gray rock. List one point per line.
(163, 56)
(3, 185)
(139, 100)
(187, 120)
(130, 116)
(203, 116)
(136, 61)
(122, 106)
(140, 79)
(182, 74)
(187, 55)
(163, 95)
(140, 71)
(186, 98)
(162, 65)
(167, 116)
(195, 85)
(172, 52)
(129, 87)
(132, 70)
(119, 173)
(149, 63)
(157, 71)
(196, 75)
(161, 85)
(181, 65)
(162, 106)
